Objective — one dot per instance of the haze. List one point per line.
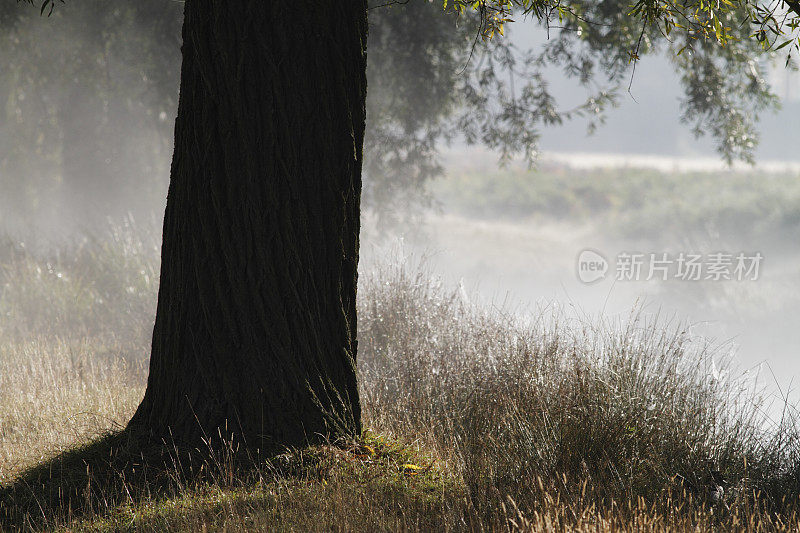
(486, 231)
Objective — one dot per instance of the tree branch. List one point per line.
(794, 5)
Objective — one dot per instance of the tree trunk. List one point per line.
(255, 332)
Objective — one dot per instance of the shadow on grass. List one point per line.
(123, 478)
(97, 478)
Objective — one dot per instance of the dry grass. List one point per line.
(555, 422)
(54, 395)
(608, 414)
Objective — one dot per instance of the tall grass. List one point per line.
(546, 420)
(101, 288)
(605, 410)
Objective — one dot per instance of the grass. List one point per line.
(318, 488)
(480, 420)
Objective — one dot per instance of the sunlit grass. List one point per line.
(55, 394)
(480, 420)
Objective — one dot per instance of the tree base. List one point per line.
(118, 469)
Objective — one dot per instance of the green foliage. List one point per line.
(702, 19)
(415, 54)
(87, 93)
(713, 46)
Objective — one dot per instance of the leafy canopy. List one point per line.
(441, 74)
(773, 23)
(714, 45)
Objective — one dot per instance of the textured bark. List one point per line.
(255, 331)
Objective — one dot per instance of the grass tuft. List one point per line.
(481, 419)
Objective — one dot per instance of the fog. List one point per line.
(530, 264)
(527, 260)
(111, 136)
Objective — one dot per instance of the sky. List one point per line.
(647, 119)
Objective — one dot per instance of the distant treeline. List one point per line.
(633, 202)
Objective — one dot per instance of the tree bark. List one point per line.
(255, 333)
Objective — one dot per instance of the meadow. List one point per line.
(479, 418)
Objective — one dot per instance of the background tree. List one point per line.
(107, 74)
(491, 92)
(107, 79)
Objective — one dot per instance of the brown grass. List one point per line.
(552, 422)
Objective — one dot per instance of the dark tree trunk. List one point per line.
(255, 331)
